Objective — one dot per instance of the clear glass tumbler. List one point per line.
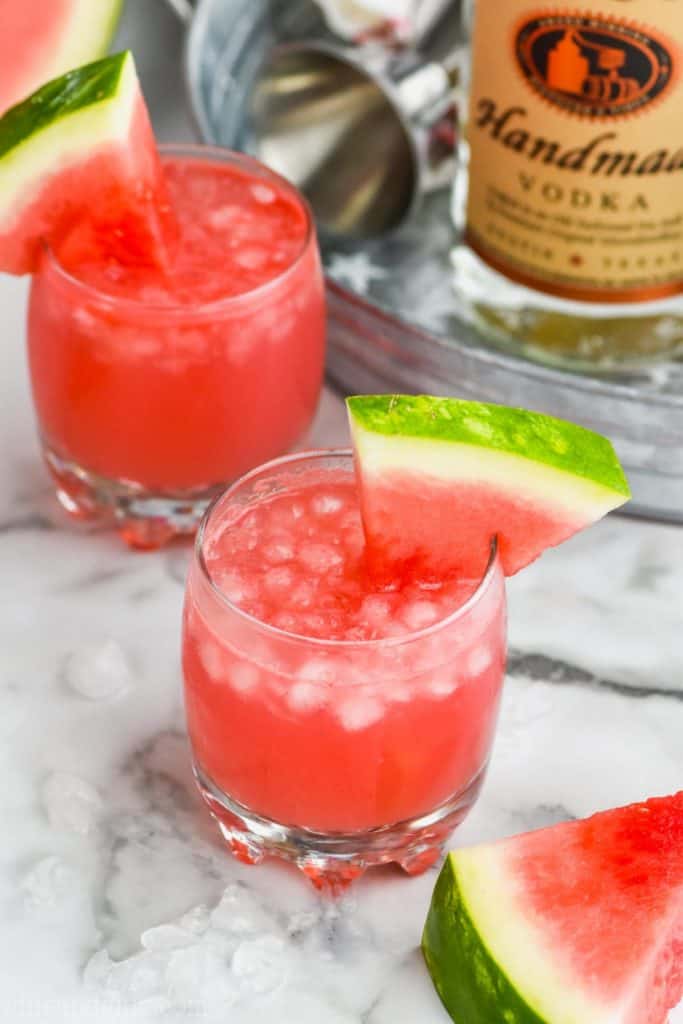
(147, 409)
(334, 754)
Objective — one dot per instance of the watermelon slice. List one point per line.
(41, 39)
(439, 477)
(581, 923)
(80, 154)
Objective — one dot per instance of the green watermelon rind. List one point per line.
(539, 439)
(471, 984)
(94, 83)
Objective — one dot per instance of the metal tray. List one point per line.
(394, 321)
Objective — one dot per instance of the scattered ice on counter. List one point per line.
(261, 964)
(302, 921)
(166, 937)
(358, 711)
(137, 980)
(198, 978)
(239, 913)
(98, 671)
(71, 802)
(243, 957)
(47, 882)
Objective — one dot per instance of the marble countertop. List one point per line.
(117, 901)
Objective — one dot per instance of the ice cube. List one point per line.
(196, 920)
(303, 921)
(326, 504)
(224, 217)
(278, 551)
(303, 595)
(359, 711)
(306, 696)
(278, 580)
(98, 671)
(47, 882)
(420, 614)
(213, 659)
(443, 682)
(127, 982)
(286, 622)
(318, 670)
(263, 194)
(235, 587)
(319, 558)
(71, 802)
(251, 259)
(244, 676)
(261, 965)
(166, 937)
(479, 660)
(375, 610)
(198, 978)
(399, 693)
(238, 913)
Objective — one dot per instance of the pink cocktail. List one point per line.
(334, 721)
(155, 386)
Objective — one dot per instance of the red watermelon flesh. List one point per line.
(80, 172)
(581, 923)
(439, 478)
(40, 39)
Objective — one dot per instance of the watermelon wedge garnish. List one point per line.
(440, 477)
(79, 156)
(581, 923)
(41, 39)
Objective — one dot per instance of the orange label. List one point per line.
(576, 138)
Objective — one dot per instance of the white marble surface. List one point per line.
(104, 840)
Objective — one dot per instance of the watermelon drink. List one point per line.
(154, 387)
(334, 721)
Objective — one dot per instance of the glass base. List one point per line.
(332, 860)
(145, 521)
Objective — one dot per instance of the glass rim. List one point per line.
(215, 154)
(320, 642)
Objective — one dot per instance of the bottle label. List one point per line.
(576, 146)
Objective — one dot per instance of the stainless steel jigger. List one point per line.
(361, 131)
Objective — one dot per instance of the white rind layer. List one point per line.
(506, 928)
(83, 37)
(573, 498)
(66, 141)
